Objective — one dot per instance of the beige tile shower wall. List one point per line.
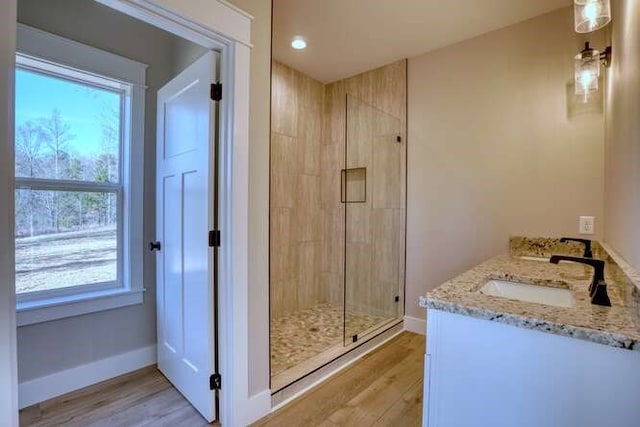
(375, 230)
(295, 210)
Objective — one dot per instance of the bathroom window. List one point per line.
(78, 139)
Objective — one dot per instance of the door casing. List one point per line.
(227, 29)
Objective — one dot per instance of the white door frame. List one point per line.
(214, 24)
(8, 361)
(225, 28)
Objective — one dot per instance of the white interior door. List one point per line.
(185, 263)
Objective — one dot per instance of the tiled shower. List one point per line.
(337, 214)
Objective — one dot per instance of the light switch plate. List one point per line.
(587, 225)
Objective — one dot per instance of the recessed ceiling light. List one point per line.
(298, 43)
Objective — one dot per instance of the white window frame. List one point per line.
(35, 47)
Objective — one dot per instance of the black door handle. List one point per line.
(154, 246)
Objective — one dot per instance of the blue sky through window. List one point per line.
(81, 106)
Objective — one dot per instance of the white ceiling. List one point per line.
(347, 37)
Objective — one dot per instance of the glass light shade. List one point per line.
(587, 72)
(591, 15)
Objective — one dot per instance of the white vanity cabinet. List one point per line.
(482, 373)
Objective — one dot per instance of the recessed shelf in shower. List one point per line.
(354, 185)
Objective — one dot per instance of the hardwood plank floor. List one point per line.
(141, 398)
(384, 388)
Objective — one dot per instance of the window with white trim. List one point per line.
(79, 130)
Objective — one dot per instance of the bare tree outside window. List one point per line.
(57, 134)
(66, 235)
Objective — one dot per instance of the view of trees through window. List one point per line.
(68, 181)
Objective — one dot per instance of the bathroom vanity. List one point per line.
(515, 341)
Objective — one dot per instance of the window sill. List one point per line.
(32, 312)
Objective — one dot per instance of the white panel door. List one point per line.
(185, 174)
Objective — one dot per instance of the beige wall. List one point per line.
(259, 112)
(622, 182)
(492, 151)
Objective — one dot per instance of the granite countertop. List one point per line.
(617, 326)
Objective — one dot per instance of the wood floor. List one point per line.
(384, 388)
(142, 398)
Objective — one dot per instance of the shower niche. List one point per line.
(337, 215)
(354, 185)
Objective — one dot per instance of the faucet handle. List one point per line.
(585, 242)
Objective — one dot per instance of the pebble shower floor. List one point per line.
(303, 334)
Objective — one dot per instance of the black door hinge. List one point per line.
(215, 382)
(398, 138)
(216, 91)
(214, 238)
(397, 298)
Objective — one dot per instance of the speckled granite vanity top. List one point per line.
(617, 326)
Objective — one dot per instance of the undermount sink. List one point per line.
(558, 297)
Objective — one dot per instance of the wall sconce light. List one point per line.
(587, 70)
(591, 15)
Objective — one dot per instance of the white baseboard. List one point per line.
(415, 325)
(50, 386)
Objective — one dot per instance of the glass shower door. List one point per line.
(373, 193)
